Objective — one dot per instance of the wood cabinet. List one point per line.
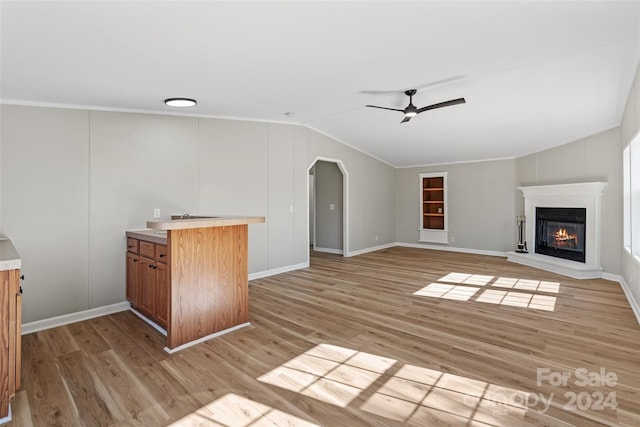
(208, 282)
(147, 287)
(162, 294)
(133, 261)
(10, 337)
(433, 207)
(147, 279)
(192, 276)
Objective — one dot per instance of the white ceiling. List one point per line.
(534, 74)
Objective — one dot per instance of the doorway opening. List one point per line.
(327, 191)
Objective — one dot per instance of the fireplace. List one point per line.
(575, 235)
(560, 232)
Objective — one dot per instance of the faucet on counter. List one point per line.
(185, 216)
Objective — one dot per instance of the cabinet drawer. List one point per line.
(161, 253)
(147, 249)
(132, 245)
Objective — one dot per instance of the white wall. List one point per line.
(74, 180)
(629, 129)
(138, 162)
(45, 205)
(481, 204)
(595, 158)
(233, 178)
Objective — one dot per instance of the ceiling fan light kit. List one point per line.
(411, 110)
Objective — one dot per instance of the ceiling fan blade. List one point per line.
(442, 104)
(406, 119)
(384, 108)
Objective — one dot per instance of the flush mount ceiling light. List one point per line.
(180, 102)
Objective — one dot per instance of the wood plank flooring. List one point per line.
(394, 337)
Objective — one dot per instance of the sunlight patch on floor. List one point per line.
(329, 373)
(406, 393)
(441, 290)
(516, 298)
(430, 397)
(469, 279)
(238, 411)
(527, 285)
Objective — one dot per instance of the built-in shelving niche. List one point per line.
(433, 208)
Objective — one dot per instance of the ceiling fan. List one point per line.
(411, 110)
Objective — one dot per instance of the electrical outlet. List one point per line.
(453, 239)
(332, 207)
(291, 208)
(156, 213)
(376, 238)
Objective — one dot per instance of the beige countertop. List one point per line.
(203, 222)
(154, 236)
(9, 258)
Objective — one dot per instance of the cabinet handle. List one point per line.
(22, 277)
(135, 260)
(130, 246)
(20, 290)
(161, 255)
(153, 267)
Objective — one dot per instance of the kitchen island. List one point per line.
(206, 275)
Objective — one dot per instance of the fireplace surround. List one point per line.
(580, 197)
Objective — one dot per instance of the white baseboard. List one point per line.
(612, 277)
(451, 249)
(207, 338)
(573, 269)
(8, 417)
(371, 249)
(632, 300)
(40, 325)
(150, 322)
(279, 270)
(65, 319)
(328, 250)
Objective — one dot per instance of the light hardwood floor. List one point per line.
(395, 337)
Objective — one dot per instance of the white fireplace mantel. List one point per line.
(586, 195)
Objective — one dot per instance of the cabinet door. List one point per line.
(146, 290)
(162, 295)
(133, 278)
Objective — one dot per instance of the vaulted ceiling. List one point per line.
(534, 74)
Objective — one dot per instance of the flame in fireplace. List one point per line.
(563, 236)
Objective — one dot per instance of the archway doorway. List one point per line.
(327, 191)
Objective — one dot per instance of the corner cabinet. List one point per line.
(433, 208)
